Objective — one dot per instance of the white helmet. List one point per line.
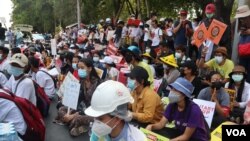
(107, 97)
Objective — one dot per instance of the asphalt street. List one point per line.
(55, 132)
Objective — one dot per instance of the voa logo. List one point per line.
(236, 132)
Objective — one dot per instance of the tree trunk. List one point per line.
(119, 10)
(147, 7)
(131, 7)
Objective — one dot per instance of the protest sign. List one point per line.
(53, 46)
(110, 34)
(111, 49)
(69, 77)
(200, 35)
(157, 84)
(232, 94)
(99, 47)
(99, 72)
(216, 135)
(216, 30)
(151, 136)
(117, 59)
(207, 108)
(71, 94)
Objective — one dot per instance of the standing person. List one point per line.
(238, 83)
(111, 123)
(189, 120)
(182, 30)
(19, 37)
(243, 14)
(10, 37)
(4, 61)
(2, 35)
(156, 35)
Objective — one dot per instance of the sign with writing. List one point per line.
(200, 35)
(216, 30)
(207, 108)
(71, 94)
(69, 77)
(151, 136)
(53, 46)
(117, 59)
(111, 49)
(232, 94)
(216, 135)
(99, 72)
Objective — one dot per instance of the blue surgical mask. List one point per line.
(82, 73)
(74, 66)
(15, 71)
(237, 77)
(131, 84)
(173, 97)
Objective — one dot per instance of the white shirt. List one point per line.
(4, 65)
(156, 33)
(146, 34)
(245, 94)
(46, 82)
(25, 88)
(3, 79)
(124, 32)
(9, 112)
(113, 72)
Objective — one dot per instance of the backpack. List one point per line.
(35, 125)
(54, 80)
(42, 100)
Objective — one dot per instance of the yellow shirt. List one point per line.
(224, 70)
(147, 106)
(150, 74)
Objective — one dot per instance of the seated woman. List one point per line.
(189, 120)
(112, 71)
(147, 107)
(89, 80)
(238, 83)
(216, 93)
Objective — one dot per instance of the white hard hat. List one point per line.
(107, 97)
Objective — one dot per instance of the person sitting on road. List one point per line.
(180, 56)
(112, 72)
(109, 108)
(147, 107)
(189, 122)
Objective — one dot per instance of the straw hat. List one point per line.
(169, 60)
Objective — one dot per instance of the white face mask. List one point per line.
(218, 59)
(101, 129)
(237, 77)
(178, 55)
(145, 61)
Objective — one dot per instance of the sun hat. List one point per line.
(169, 60)
(184, 86)
(242, 11)
(19, 59)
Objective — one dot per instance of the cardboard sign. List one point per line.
(232, 94)
(117, 59)
(53, 46)
(71, 94)
(200, 35)
(216, 30)
(99, 72)
(216, 135)
(207, 108)
(151, 136)
(69, 77)
(111, 49)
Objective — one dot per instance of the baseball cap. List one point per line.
(19, 59)
(210, 8)
(184, 86)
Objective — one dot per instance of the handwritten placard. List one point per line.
(232, 94)
(151, 136)
(207, 108)
(69, 77)
(71, 94)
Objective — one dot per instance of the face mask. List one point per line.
(96, 59)
(145, 61)
(128, 59)
(74, 66)
(173, 98)
(165, 66)
(82, 73)
(178, 55)
(209, 15)
(218, 59)
(237, 77)
(15, 71)
(101, 129)
(216, 85)
(131, 84)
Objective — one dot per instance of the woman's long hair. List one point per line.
(89, 63)
(241, 88)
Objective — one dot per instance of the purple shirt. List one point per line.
(191, 117)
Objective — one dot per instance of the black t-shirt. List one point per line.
(2, 33)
